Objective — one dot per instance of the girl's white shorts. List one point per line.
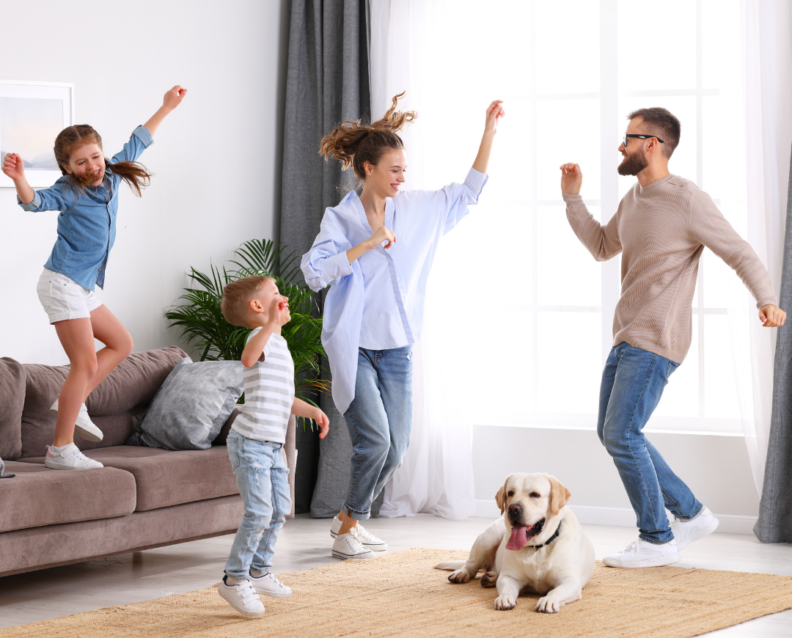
(65, 299)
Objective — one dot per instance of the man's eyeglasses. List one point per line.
(643, 137)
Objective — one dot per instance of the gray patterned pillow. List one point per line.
(191, 406)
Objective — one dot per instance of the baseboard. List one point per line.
(624, 517)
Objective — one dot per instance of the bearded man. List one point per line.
(661, 228)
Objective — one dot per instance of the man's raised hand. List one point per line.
(571, 179)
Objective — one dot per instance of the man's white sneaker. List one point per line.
(84, 427)
(640, 553)
(687, 532)
(367, 539)
(242, 597)
(270, 586)
(69, 458)
(349, 546)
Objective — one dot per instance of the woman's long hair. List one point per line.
(354, 144)
(73, 137)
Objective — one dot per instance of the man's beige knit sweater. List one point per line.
(662, 229)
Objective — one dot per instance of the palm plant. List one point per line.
(204, 327)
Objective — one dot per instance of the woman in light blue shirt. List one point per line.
(375, 251)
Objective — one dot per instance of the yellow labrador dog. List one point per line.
(537, 546)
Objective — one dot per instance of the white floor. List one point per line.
(305, 542)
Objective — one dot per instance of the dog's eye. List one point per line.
(535, 495)
(511, 493)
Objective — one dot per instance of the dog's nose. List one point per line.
(515, 509)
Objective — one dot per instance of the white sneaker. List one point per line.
(242, 597)
(640, 553)
(686, 532)
(84, 427)
(69, 458)
(349, 546)
(367, 539)
(270, 586)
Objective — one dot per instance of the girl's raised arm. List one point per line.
(494, 113)
(171, 100)
(15, 169)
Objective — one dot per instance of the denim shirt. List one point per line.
(87, 221)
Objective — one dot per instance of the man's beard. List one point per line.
(633, 164)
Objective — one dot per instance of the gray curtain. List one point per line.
(775, 510)
(327, 82)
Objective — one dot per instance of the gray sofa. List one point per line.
(143, 497)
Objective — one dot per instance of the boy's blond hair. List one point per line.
(235, 304)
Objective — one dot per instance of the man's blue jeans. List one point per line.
(379, 420)
(263, 481)
(632, 384)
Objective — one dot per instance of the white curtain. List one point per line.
(436, 476)
(766, 109)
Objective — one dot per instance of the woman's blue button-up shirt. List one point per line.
(377, 302)
(87, 222)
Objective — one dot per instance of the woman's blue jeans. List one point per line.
(632, 384)
(379, 420)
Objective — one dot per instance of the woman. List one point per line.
(376, 251)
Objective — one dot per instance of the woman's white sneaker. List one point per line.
(349, 546)
(83, 427)
(270, 586)
(242, 597)
(366, 538)
(640, 553)
(687, 532)
(69, 457)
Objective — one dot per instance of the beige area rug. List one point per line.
(400, 594)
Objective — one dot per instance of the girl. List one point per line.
(87, 196)
(374, 310)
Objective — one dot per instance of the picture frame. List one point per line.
(31, 116)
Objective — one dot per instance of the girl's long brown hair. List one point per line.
(354, 144)
(71, 138)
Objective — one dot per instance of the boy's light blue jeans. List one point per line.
(379, 420)
(263, 482)
(632, 384)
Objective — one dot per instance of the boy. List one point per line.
(256, 440)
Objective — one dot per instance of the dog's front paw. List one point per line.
(546, 606)
(489, 579)
(459, 576)
(504, 603)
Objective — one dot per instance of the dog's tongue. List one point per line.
(518, 537)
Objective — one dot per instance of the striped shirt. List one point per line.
(269, 393)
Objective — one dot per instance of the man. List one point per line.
(661, 228)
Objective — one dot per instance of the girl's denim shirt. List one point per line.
(87, 221)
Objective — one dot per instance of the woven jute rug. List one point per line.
(400, 594)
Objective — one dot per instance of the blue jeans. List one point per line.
(632, 384)
(263, 482)
(379, 420)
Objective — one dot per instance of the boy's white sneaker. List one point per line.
(687, 532)
(69, 458)
(270, 586)
(242, 597)
(366, 538)
(83, 427)
(349, 546)
(640, 553)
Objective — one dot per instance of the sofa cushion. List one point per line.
(115, 405)
(37, 496)
(166, 478)
(12, 401)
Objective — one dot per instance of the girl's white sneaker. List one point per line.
(270, 586)
(366, 538)
(242, 597)
(84, 427)
(69, 458)
(349, 546)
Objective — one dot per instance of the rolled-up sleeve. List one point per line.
(460, 196)
(139, 141)
(47, 199)
(327, 261)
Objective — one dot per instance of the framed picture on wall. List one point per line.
(31, 116)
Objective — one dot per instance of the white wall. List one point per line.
(216, 159)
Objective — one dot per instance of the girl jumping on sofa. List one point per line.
(87, 198)
(375, 250)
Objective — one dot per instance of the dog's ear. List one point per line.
(500, 497)
(559, 495)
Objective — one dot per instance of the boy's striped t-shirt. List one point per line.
(269, 393)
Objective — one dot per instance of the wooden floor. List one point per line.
(306, 542)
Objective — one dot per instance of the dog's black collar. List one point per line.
(549, 540)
